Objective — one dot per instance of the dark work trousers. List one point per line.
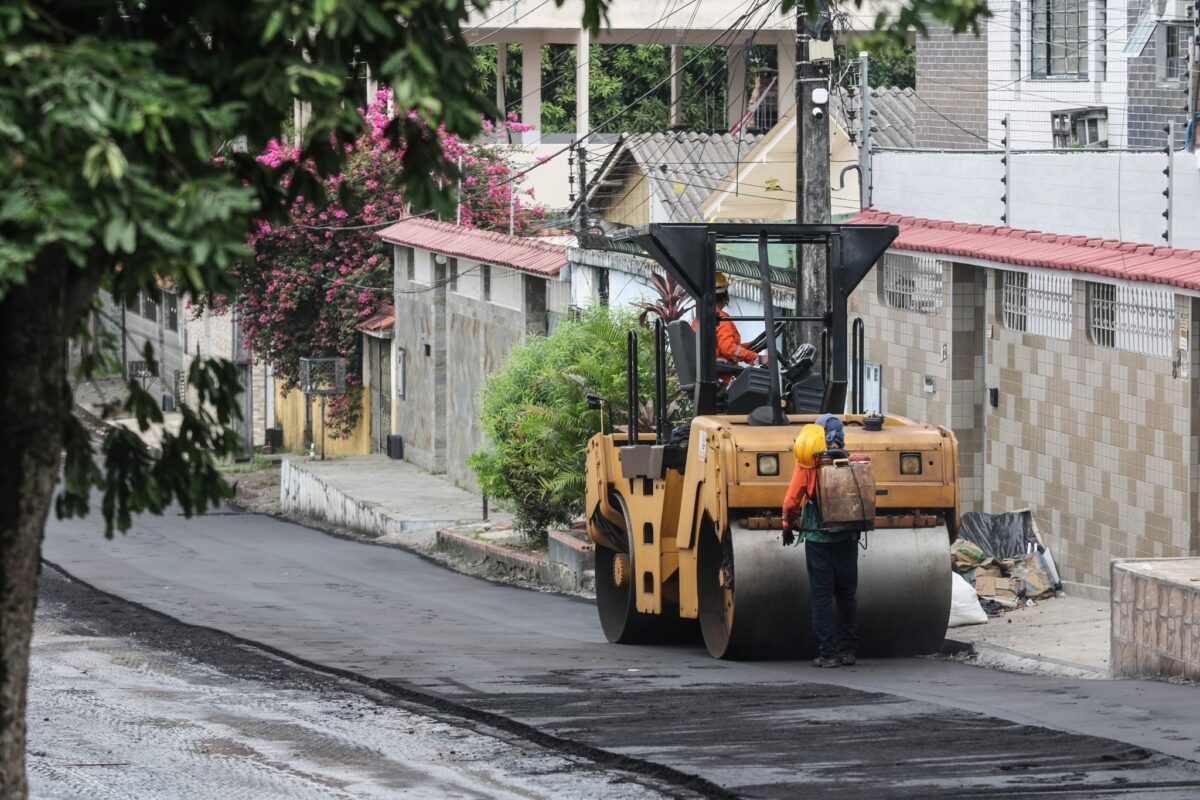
(833, 574)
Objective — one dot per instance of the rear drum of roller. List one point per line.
(754, 595)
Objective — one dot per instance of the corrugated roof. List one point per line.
(894, 117)
(1108, 257)
(685, 167)
(500, 249)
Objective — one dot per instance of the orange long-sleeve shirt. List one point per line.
(729, 342)
(802, 487)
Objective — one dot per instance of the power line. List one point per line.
(521, 173)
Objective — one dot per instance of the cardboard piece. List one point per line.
(989, 586)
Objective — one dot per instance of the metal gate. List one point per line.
(380, 360)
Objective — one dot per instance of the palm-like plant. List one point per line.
(672, 302)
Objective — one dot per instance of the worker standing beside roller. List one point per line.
(729, 340)
(831, 557)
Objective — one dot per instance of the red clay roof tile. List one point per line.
(517, 252)
(1108, 257)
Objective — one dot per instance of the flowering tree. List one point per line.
(309, 285)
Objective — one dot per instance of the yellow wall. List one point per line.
(289, 414)
(629, 204)
(765, 184)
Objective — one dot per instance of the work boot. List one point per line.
(826, 661)
(847, 659)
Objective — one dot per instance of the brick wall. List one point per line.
(1152, 101)
(951, 109)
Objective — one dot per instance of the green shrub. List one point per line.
(536, 421)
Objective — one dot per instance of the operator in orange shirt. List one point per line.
(729, 341)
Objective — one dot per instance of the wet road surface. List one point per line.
(896, 728)
(125, 703)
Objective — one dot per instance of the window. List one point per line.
(912, 283)
(171, 310)
(1076, 128)
(150, 304)
(1038, 303)
(423, 267)
(506, 287)
(1173, 48)
(1059, 38)
(1132, 318)
(469, 282)
(402, 259)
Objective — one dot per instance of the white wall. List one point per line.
(1114, 195)
(965, 187)
(1030, 101)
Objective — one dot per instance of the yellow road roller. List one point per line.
(685, 514)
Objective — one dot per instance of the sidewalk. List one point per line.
(392, 502)
(1066, 636)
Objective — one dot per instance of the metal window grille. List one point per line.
(150, 304)
(912, 283)
(1132, 318)
(323, 376)
(171, 310)
(1037, 303)
(1059, 38)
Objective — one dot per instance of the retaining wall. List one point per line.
(1156, 618)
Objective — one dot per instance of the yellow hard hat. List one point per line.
(809, 442)
(722, 282)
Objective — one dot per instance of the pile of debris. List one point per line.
(1002, 557)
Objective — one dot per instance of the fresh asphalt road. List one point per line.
(895, 728)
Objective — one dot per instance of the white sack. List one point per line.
(964, 604)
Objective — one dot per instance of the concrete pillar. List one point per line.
(786, 61)
(583, 69)
(676, 120)
(735, 85)
(372, 85)
(501, 72)
(531, 88)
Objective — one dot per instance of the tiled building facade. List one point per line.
(1073, 394)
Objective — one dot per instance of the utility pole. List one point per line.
(584, 211)
(864, 129)
(1193, 103)
(812, 176)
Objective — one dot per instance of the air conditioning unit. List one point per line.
(1170, 10)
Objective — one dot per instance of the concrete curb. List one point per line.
(569, 566)
(994, 656)
(304, 494)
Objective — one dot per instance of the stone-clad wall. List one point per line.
(1156, 619)
(1095, 440)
